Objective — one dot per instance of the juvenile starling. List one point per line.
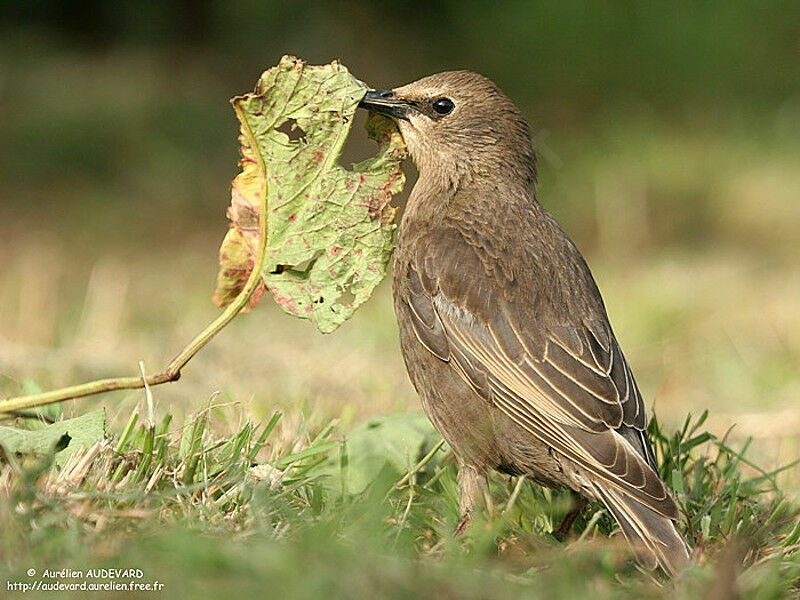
(502, 327)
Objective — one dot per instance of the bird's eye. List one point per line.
(443, 106)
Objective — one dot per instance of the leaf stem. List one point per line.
(172, 372)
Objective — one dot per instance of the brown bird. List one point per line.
(503, 330)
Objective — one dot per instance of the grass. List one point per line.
(272, 507)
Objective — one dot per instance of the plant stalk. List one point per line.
(172, 371)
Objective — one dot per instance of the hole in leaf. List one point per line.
(305, 266)
(347, 298)
(62, 442)
(358, 147)
(300, 270)
(292, 130)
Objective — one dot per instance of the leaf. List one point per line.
(397, 440)
(63, 437)
(330, 230)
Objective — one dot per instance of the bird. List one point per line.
(503, 330)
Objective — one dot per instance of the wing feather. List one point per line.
(573, 391)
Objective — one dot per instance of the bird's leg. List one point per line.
(578, 504)
(474, 489)
(463, 523)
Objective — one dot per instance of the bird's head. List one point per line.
(458, 126)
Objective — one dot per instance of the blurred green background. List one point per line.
(669, 144)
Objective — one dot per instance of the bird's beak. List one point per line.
(386, 103)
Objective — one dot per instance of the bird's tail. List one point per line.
(655, 538)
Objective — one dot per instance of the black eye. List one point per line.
(443, 106)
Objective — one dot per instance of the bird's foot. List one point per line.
(568, 521)
(462, 525)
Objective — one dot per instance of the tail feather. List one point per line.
(654, 538)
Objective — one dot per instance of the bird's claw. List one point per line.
(462, 525)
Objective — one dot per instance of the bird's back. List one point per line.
(498, 249)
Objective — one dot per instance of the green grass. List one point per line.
(298, 511)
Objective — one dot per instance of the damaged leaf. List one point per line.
(61, 438)
(330, 230)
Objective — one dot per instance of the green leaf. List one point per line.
(330, 230)
(397, 440)
(63, 437)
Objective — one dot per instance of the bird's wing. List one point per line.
(568, 385)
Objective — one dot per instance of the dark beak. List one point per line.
(385, 103)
